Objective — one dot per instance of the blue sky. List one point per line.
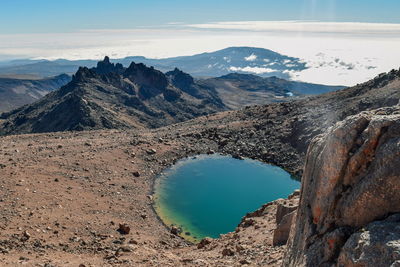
(364, 34)
(43, 16)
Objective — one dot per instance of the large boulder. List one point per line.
(281, 233)
(376, 245)
(351, 178)
(285, 214)
(284, 208)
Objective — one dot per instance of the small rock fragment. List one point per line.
(227, 252)
(204, 242)
(124, 229)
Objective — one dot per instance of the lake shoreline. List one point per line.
(226, 173)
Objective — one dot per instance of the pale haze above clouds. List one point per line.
(336, 53)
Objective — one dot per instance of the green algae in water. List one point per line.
(208, 195)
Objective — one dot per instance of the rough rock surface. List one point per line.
(376, 245)
(283, 209)
(351, 178)
(281, 233)
(285, 213)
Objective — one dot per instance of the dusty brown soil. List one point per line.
(63, 196)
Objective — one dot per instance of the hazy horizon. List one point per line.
(342, 42)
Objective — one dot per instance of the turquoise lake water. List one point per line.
(208, 195)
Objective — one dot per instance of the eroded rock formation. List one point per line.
(351, 179)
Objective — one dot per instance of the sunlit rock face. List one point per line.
(351, 179)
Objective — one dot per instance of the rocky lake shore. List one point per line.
(67, 193)
(84, 198)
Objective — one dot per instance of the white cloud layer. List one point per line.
(337, 53)
(252, 57)
(305, 27)
(255, 70)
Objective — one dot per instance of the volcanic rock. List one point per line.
(284, 208)
(351, 179)
(124, 229)
(378, 244)
(204, 242)
(111, 97)
(281, 233)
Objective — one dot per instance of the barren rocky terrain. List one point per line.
(65, 195)
(84, 198)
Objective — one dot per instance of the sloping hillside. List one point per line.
(239, 90)
(15, 93)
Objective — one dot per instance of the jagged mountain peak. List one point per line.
(105, 67)
(147, 77)
(83, 74)
(106, 59)
(180, 79)
(111, 96)
(179, 73)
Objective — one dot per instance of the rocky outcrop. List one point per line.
(106, 67)
(378, 244)
(187, 84)
(285, 214)
(284, 208)
(351, 181)
(281, 233)
(182, 80)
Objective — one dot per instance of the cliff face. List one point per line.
(350, 202)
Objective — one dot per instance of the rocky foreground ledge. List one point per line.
(349, 213)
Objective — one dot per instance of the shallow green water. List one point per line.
(208, 195)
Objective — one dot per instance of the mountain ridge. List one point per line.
(210, 64)
(238, 90)
(110, 96)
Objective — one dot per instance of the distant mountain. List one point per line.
(43, 68)
(258, 61)
(112, 96)
(238, 90)
(18, 92)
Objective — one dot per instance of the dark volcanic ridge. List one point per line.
(111, 96)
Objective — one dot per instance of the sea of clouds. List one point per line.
(335, 53)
